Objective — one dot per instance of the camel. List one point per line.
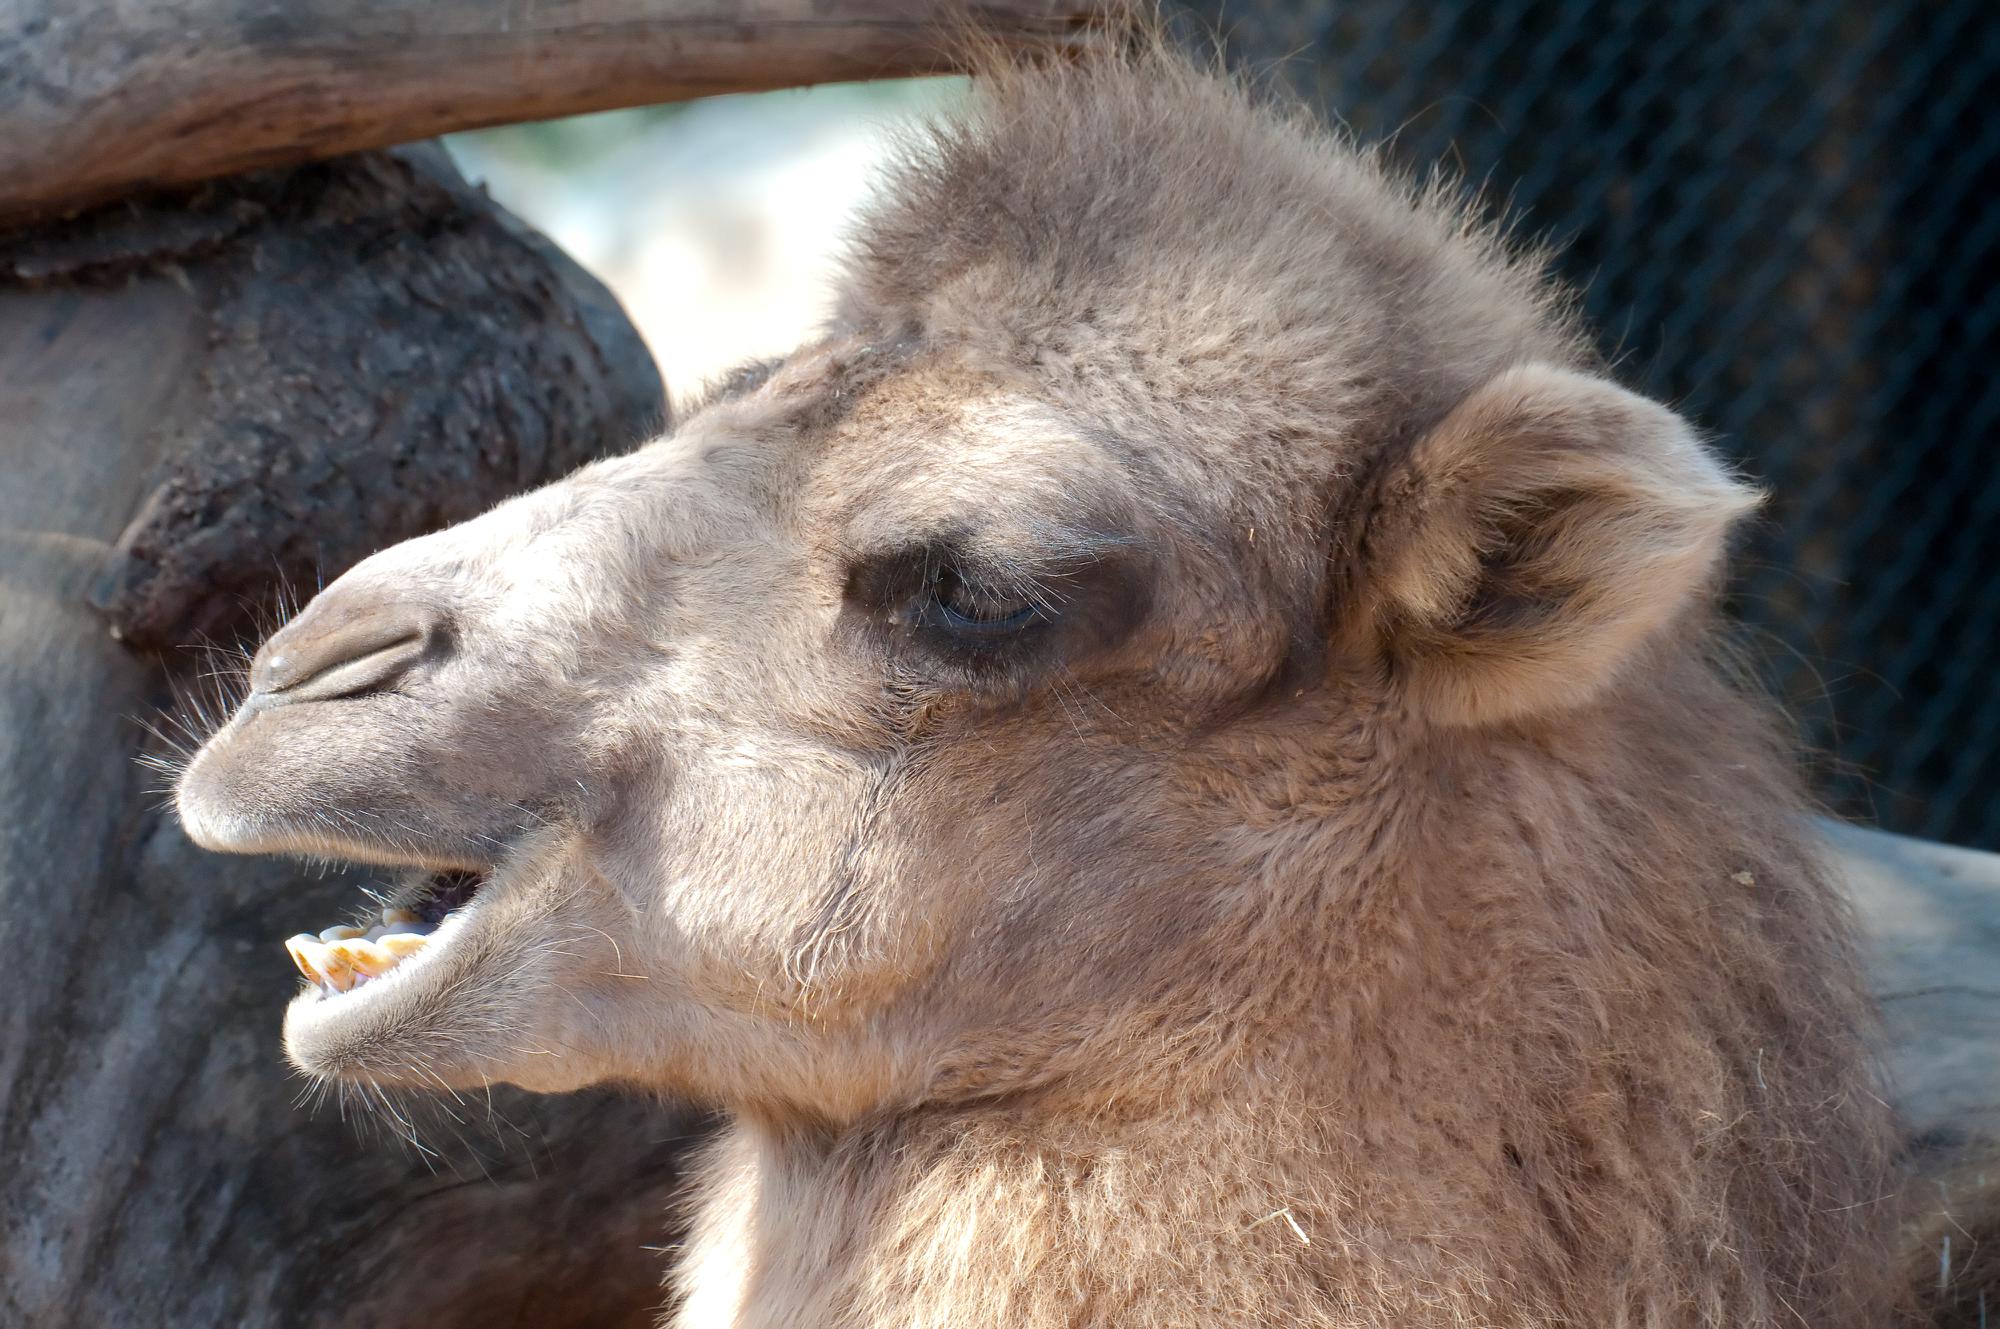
(1175, 768)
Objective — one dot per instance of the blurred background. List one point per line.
(718, 223)
(1782, 216)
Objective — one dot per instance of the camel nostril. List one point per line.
(337, 648)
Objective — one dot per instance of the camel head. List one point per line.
(943, 711)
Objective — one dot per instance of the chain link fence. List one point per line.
(1785, 218)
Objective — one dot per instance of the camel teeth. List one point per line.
(304, 950)
(321, 962)
(335, 969)
(402, 945)
(365, 958)
(342, 959)
(395, 916)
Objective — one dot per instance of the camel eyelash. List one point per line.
(959, 619)
(940, 622)
(975, 609)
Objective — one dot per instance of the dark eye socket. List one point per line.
(946, 612)
(971, 609)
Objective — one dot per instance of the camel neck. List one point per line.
(980, 1217)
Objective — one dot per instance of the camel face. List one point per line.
(689, 765)
(873, 735)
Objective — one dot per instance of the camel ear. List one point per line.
(1525, 548)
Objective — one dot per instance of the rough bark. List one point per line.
(269, 379)
(488, 362)
(100, 103)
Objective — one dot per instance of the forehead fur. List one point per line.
(1161, 251)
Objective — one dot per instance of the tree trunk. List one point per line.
(266, 380)
(101, 103)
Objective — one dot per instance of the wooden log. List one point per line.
(98, 103)
(1930, 916)
(196, 399)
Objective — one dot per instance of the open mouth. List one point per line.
(348, 956)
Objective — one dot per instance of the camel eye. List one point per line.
(969, 609)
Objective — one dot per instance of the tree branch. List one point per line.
(95, 105)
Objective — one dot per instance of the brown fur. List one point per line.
(1364, 904)
(1952, 1245)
